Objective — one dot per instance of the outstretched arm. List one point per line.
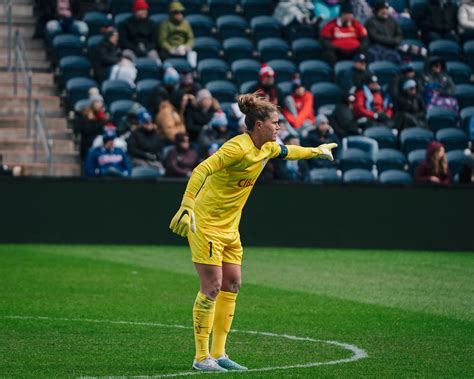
(292, 152)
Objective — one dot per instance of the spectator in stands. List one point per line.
(362, 10)
(199, 112)
(467, 174)
(327, 9)
(267, 87)
(107, 160)
(81, 7)
(137, 32)
(169, 119)
(188, 85)
(162, 92)
(434, 169)
(6, 170)
(466, 20)
(323, 133)
(182, 159)
(214, 132)
(370, 106)
(384, 34)
(175, 36)
(119, 141)
(438, 86)
(343, 37)
(356, 75)
(107, 54)
(407, 71)
(438, 19)
(295, 171)
(410, 108)
(299, 107)
(342, 118)
(294, 12)
(62, 19)
(129, 121)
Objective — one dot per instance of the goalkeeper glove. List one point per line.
(184, 220)
(324, 151)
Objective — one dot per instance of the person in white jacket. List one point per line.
(466, 19)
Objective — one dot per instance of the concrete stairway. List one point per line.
(15, 147)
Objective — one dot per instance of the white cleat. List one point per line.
(207, 364)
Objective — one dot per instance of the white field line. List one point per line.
(357, 353)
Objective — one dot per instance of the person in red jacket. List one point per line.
(343, 37)
(299, 107)
(370, 107)
(434, 169)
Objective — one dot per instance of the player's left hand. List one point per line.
(324, 151)
(184, 220)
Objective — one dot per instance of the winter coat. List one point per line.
(288, 12)
(443, 80)
(466, 16)
(137, 35)
(348, 38)
(305, 108)
(195, 118)
(384, 31)
(88, 129)
(423, 172)
(157, 96)
(434, 17)
(144, 144)
(396, 85)
(343, 121)
(411, 104)
(106, 55)
(172, 35)
(364, 107)
(107, 162)
(169, 122)
(210, 135)
(180, 163)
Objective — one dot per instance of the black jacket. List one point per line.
(195, 118)
(137, 35)
(81, 7)
(384, 31)
(105, 56)
(144, 144)
(434, 17)
(411, 104)
(343, 122)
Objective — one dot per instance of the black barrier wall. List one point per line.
(299, 215)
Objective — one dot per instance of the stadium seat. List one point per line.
(384, 70)
(114, 90)
(237, 48)
(207, 47)
(120, 18)
(408, 26)
(202, 25)
(180, 64)
(389, 159)
(78, 89)
(245, 70)
(284, 69)
(314, 71)
(74, 67)
(414, 159)
(325, 93)
(212, 69)
(145, 88)
(418, 66)
(415, 138)
(456, 161)
(358, 176)
(286, 88)
(398, 5)
(439, 118)
(67, 44)
(193, 6)
(296, 30)
(460, 72)
(272, 48)
(252, 8)
(355, 158)
(230, 26)
(395, 177)
(245, 87)
(96, 21)
(469, 53)
(219, 8)
(224, 91)
(453, 138)
(265, 27)
(158, 18)
(343, 74)
(416, 6)
(305, 49)
(120, 108)
(445, 48)
(92, 43)
(383, 135)
(465, 95)
(158, 6)
(465, 114)
(324, 175)
(366, 144)
(120, 6)
(147, 69)
(145, 172)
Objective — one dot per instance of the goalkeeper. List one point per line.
(209, 217)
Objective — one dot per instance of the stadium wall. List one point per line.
(299, 215)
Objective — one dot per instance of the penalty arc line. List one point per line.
(358, 353)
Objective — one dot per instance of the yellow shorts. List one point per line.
(213, 247)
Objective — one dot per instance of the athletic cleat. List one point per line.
(229, 364)
(208, 364)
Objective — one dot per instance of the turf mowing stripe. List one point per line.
(358, 352)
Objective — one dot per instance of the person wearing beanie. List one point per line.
(299, 107)
(164, 90)
(342, 118)
(434, 169)
(384, 34)
(356, 75)
(107, 54)
(407, 71)
(182, 159)
(438, 86)
(199, 112)
(266, 86)
(410, 108)
(216, 131)
(343, 37)
(323, 133)
(175, 36)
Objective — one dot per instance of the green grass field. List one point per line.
(72, 311)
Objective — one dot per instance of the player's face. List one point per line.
(269, 128)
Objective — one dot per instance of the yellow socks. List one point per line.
(225, 307)
(203, 318)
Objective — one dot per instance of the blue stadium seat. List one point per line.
(284, 69)
(314, 71)
(193, 6)
(415, 138)
(78, 89)
(414, 159)
(355, 158)
(395, 177)
(147, 69)
(445, 48)
(456, 161)
(92, 43)
(418, 66)
(305, 49)
(324, 175)
(343, 75)
(252, 8)
(224, 91)
(212, 69)
(67, 44)
(120, 108)
(465, 114)
(385, 71)
(202, 25)
(145, 88)
(358, 176)
(469, 53)
(207, 47)
(325, 93)
(158, 6)
(219, 8)
(158, 18)
(145, 172)
(74, 67)
(465, 95)
(238, 48)
(114, 90)
(96, 21)
(439, 118)
(460, 72)
(245, 87)
(453, 138)
(272, 48)
(229, 26)
(265, 27)
(286, 88)
(383, 135)
(389, 159)
(408, 26)
(120, 18)
(245, 70)
(398, 5)
(180, 64)
(366, 144)
(120, 6)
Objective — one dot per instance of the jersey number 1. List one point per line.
(210, 248)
